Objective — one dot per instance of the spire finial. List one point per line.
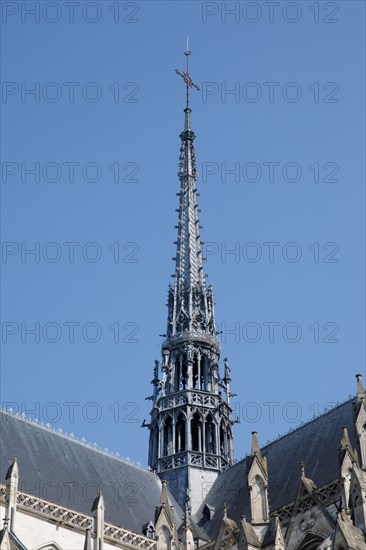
(360, 387)
(186, 76)
(345, 442)
(164, 494)
(255, 445)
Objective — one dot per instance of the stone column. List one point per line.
(12, 478)
(98, 513)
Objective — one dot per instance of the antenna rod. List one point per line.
(186, 76)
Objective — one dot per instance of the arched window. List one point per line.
(180, 434)
(164, 539)
(154, 442)
(196, 432)
(181, 372)
(167, 434)
(195, 372)
(149, 530)
(203, 381)
(259, 501)
(177, 373)
(210, 431)
(222, 440)
(184, 372)
(347, 486)
(311, 541)
(229, 437)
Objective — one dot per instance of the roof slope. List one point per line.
(70, 474)
(316, 444)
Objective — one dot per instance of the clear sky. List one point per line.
(281, 107)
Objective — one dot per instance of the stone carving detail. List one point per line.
(45, 509)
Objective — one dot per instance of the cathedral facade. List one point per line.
(304, 491)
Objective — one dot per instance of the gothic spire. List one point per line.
(190, 302)
(189, 262)
(191, 438)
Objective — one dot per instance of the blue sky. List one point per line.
(102, 132)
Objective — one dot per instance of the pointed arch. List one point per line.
(49, 546)
(196, 432)
(223, 439)
(229, 438)
(195, 372)
(259, 500)
(168, 435)
(184, 376)
(164, 539)
(203, 381)
(311, 541)
(210, 434)
(180, 433)
(346, 480)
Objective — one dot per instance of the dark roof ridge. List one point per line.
(301, 426)
(73, 438)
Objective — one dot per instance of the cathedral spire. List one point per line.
(189, 262)
(191, 427)
(191, 304)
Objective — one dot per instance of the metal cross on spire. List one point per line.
(186, 76)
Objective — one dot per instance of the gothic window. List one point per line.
(196, 432)
(195, 372)
(207, 513)
(181, 372)
(184, 372)
(155, 443)
(223, 440)
(203, 380)
(210, 431)
(347, 486)
(177, 373)
(153, 446)
(259, 501)
(167, 434)
(229, 442)
(311, 541)
(164, 539)
(180, 434)
(149, 530)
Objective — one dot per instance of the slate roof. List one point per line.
(131, 493)
(64, 471)
(316, 444)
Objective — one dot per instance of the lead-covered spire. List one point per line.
(191, 438)
(191, 304)
(189, 261)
